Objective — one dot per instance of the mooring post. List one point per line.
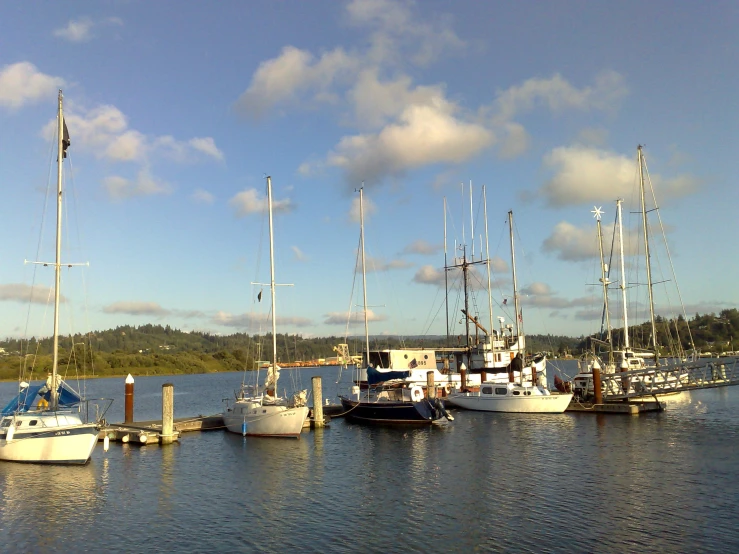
(463, 377)
(167, 413)
(597, 384)
(430, 385)
(128, 417)
(317, 402)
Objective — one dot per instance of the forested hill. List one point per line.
(151, 339)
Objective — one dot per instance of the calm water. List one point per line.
(664, 482)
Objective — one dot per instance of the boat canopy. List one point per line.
(34, 393)
(375, 376)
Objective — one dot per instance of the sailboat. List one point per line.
(388, 399)
(261, 412)
(626, 359)
(522, 396)
(54, 431)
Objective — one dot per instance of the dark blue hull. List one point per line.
(390, 413)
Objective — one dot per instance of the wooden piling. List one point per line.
(317, 402)
(597, 387)
(463, 377)
(167, 436)
(430, 385)
(128, 417)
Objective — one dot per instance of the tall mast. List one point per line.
(604, 280)
(515, 283)
(364, 271)
(646, 254)
(490, 292)
(58, 263)
(622, 282)
(472, 225)
(446, 278)
(272, 281)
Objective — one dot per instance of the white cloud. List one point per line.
(342, 318)
(572, 243)
(498, 264)
(424, 135)
(515, 141)
(207, 146)
(136, 308)
(250, 201)
(557, 94)
(253, 320)
(120, 188)
(281, 79)
(584, 175)
(20, 292)
(82, 28)
(21, 83)
(369, 209)
(422, 247)
(429, 275)
(380, 264)
(299, 255)
(202, 196)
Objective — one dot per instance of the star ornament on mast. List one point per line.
(597, 212)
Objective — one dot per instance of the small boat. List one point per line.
(388, 399)
(516, 396)
(52, 431)
(260, 412)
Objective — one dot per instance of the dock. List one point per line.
(626, 408)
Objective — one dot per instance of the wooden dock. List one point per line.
(150, 432)
(626, 408)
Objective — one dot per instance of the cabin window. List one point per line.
(33, 422)
(501, 391)
(516, 392)
(425, 356)
(406, 356)
(6, 422)
(264, 411)
(487, 390)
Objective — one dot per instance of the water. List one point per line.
(484, 483)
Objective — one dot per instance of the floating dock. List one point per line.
(626, 408)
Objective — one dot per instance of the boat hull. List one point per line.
(253, 420)
(70, 442)
(549, 404)
(390, 412)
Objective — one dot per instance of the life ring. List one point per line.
(416, 393)
(447, 388)
(42, 404)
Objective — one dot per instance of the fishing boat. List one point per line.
(388, 399)
(259, 411)
(517, 395)
(46, 423)
(641, 368)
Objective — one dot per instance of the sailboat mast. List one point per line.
(490, 292)
(646, 254)
(446, 278)
(515, 283)
(622, 283)
(604, 280)
(58, 263)
(272, 281)
(364, 271)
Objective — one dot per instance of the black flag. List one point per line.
(65, 140)
(259, 296)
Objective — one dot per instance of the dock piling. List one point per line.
(430, 385)
(167, 413)
(128, 417)
(317, 402)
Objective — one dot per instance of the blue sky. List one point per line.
(177, 111)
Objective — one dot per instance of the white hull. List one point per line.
(52, 440)
(529, 400)
(264, 420)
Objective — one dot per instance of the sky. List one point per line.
(177, 111)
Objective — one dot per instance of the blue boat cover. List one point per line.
(30, 395)
(375, 376)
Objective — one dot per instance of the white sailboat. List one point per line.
(261, 412)
(512, 397)
(53, 432)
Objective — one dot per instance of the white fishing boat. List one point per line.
(44, 423)
(515, 396)
(259, 411)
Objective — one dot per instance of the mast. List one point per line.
(515, 284)
(646, 254)
(364, 271)
(272, 282)
(605, 281)
(58, 262)
(446, 278)
(622, 283)
(490, 292)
